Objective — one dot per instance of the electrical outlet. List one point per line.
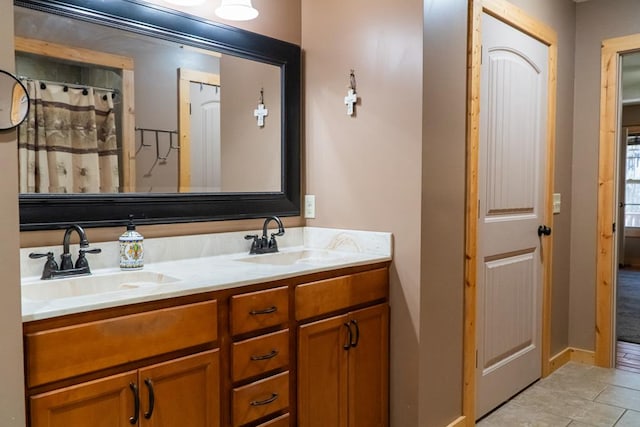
(309, 206)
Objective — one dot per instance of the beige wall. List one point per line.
(12, 387)
(596, 20)
(365, 170)
(442, 218)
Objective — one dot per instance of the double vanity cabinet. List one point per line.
(309, 350)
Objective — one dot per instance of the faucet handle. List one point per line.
(51, 262)
(90, 251)
(256, 243)
(49, 267)
(35, 255)
(82, 262)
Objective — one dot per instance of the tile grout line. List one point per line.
(622, 415)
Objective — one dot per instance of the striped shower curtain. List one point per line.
(68, 142)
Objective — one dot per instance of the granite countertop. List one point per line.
(203, 263)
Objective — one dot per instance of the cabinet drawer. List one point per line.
(65, 352)
(281, 421)
(260, 399)
(259, 355)
(326, 296)
(259, 310)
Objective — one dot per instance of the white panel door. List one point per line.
(205, 137)
(513, 105)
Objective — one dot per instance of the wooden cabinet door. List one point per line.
(369, 368)
(322, 373)
(107, 402)
(184, 392)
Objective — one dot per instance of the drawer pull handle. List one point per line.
(152, 398)
(269, 310)
(273, 353)
(273, 397)
(136, 403)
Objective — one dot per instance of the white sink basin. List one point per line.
(305, 256)
(91, 285)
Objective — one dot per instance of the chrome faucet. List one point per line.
(67, 268)
(264, 244)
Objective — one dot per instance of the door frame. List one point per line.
(187, 76)
(612, 49)
(518, 19)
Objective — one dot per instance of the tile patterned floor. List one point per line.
(576, 395)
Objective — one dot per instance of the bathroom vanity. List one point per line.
(213, 337)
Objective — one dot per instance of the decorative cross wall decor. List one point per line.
(261, 113)
(350, 100)
(352, 97)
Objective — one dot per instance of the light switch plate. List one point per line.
(309, 206)
(557, 201)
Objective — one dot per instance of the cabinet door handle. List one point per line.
(347, 346)
(273, 353)
(136, 403)
(273, 397)
(152, 398)
(269, 310)
(355, 343)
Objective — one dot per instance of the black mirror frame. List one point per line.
(26, 114)
(54, 211)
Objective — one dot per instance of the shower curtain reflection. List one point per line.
(68, 143)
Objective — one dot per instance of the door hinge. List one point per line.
(189, 108)
(478, 208)
(614, 227)
(476, 359)
(481, 53)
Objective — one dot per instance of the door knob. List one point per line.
(543, 229)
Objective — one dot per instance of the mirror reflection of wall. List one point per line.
(245, 145)
(147, 127)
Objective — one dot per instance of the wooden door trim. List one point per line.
(185, 77)
(612, 49)
(518, 19)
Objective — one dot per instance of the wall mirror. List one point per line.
(138, 109)
(14, 101)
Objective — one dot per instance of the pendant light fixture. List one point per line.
(237, 10)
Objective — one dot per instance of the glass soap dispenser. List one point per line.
(131, 248)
